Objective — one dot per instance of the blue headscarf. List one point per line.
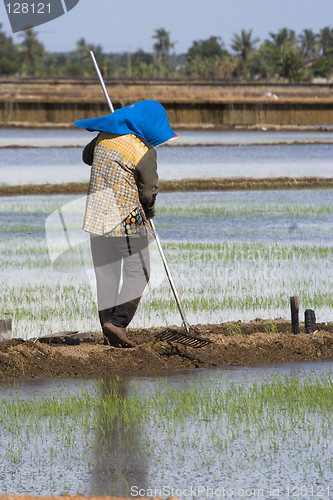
(147, 119)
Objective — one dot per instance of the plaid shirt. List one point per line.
(115, 206)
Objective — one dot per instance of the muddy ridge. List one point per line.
(234, 343)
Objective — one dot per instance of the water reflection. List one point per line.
(181, 378)
(113, 455)
(121, 459)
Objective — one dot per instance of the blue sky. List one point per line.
(127, 25)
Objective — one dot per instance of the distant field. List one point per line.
(200, 104)
(122, 90)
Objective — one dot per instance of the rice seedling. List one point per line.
(241, 273)
(174, 435)
(271, 328)
(240, 280)
(232, 281)
(203, 209)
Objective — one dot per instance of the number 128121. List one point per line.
(28, 8)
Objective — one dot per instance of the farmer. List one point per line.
(121, 199)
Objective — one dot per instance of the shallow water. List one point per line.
(280, 216)
(198, 155)
(272, 218)
(55, 165)
(195, 455)
(48, 387)
(114, 459)
(270, 245)
(79, 137)
(253, 216)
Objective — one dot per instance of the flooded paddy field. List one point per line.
(141, 420)
(38, 157)
(250, 250)
(264, 429)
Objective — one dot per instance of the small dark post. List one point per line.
(310, 321)
(294, 305)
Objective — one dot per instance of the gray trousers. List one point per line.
(122, 268)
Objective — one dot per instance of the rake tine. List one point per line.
(182, 338)
(193, 342)
(166, 336)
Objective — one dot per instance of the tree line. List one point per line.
(283, 55)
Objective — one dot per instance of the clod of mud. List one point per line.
(68, 338)
(234, 343)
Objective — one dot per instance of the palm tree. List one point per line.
(284, 39)
(162, 45)
(32, 51)
(308, 42)
(243, 44)
(326, 40)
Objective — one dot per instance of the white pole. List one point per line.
(99, 74)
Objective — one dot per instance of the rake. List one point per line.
(167, 335)
(190, 340)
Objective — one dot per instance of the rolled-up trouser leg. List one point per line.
(109, 256)
(107, 265)
(135, 274)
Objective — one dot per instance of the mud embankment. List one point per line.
(235, 343)
(189, 105)
(214, 184)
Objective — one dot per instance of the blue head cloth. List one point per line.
(147, 119)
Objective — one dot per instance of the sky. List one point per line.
(128, 25)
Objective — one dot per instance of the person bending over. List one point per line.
(120, 202)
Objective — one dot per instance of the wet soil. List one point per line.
(235, 343)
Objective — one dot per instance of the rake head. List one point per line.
(172, 335)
